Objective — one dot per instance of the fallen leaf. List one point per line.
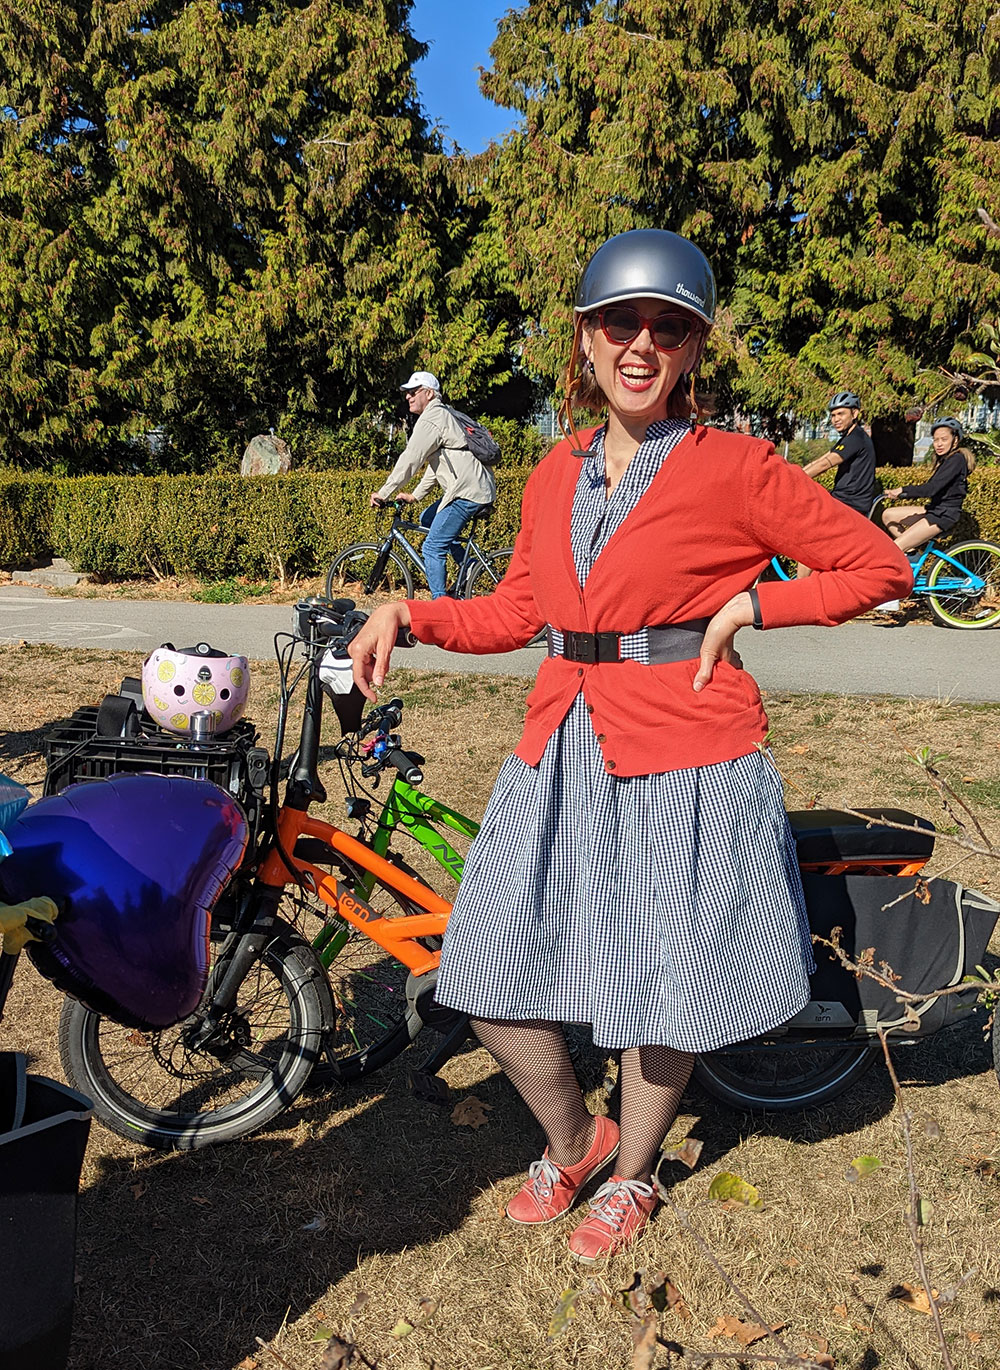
(862, 1166)
(727, 1187)
(932, 1129)
(687, 1153)
(322, 1333)
(672, 1300)
(840, 1309)
(974, 1337)
(924, 1210)
(337, 1355)
(970, 779)
(138, 1190)
(821, 1344)
(358, 1304)
(644, 1343)
(470, 1112)
(800, 750)
(402, 1329)
(913, 1297)
(198, 1199)
(565, 1312)
(790, 1263)
(746, 1333)
(428, 1307)
(317, 1224)
(247, 1363)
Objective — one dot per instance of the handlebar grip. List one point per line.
(405, 765)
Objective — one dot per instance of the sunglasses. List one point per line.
(620, 323)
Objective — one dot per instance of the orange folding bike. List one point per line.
(326, 946)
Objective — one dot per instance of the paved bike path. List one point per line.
(863, 658)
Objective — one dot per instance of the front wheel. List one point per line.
(368, 569)
(164, 1090)
(782, 1079)
(953, 601)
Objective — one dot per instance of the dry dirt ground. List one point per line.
(240, 1256)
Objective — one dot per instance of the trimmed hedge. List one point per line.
(214, 527)
(26, 504)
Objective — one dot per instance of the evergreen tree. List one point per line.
(830, 162)
(221, 216)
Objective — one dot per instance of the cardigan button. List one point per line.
(611, 765)
(580, 670)
(590, 708)
(601, 737)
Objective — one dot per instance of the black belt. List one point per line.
(668, 643)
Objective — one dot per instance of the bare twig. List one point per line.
(741, 1357)
(788, 1356)
(903, 995)
(913, 1212)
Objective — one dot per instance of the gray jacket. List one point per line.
(438, 442)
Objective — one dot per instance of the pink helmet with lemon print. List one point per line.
(177, 684)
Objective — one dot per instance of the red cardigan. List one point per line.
(718, 509)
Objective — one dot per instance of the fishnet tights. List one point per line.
(536, 1060)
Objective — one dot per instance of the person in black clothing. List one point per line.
(912, 525)
(852, 454)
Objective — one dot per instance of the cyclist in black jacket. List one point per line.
(852, 456)
(913, 525)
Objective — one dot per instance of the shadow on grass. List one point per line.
(187, 1259)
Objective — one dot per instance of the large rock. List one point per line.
(266, 455)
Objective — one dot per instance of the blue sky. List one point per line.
(460, 33)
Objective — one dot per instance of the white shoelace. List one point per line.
(613, 1201)
(544, 1176)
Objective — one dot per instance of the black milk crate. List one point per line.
(74, 751)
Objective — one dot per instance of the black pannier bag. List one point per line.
(930, 946)
(43, 1135)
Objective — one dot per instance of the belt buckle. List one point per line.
(609, 646)
(582, 647)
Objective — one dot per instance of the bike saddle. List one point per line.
(135, 865)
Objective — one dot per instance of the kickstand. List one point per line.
(424, 1079)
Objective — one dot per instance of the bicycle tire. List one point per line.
(996, 1039)
(122, 1069)
(374, 1023)
(483, 580)
(783, 1080)
(962, 611)
(483, 577)
(355, 567)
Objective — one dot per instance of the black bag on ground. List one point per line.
(479, 440)
(930, 946)
(43, 1135)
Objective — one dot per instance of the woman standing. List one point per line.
(635, 869)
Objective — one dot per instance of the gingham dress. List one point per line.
(661, 908)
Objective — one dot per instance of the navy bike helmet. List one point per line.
(651, 262)
(844, 399)
(952, 425)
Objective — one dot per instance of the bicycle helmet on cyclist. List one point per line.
(644, 263)
(650, 262)
(844, 399)
(178, 683)
(952, 425)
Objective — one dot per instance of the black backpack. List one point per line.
(478, 440)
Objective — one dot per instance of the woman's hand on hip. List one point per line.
(371, 649)
(719, 638)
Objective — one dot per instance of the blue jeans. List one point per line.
(444, 526)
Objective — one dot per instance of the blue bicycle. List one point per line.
(961, 584)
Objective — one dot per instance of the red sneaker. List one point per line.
(618, 1212)
(550, 1189)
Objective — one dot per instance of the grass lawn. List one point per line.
(238, 1256)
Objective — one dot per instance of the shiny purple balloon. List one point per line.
(135, 864)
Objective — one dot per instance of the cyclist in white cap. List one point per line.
(438, 442)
